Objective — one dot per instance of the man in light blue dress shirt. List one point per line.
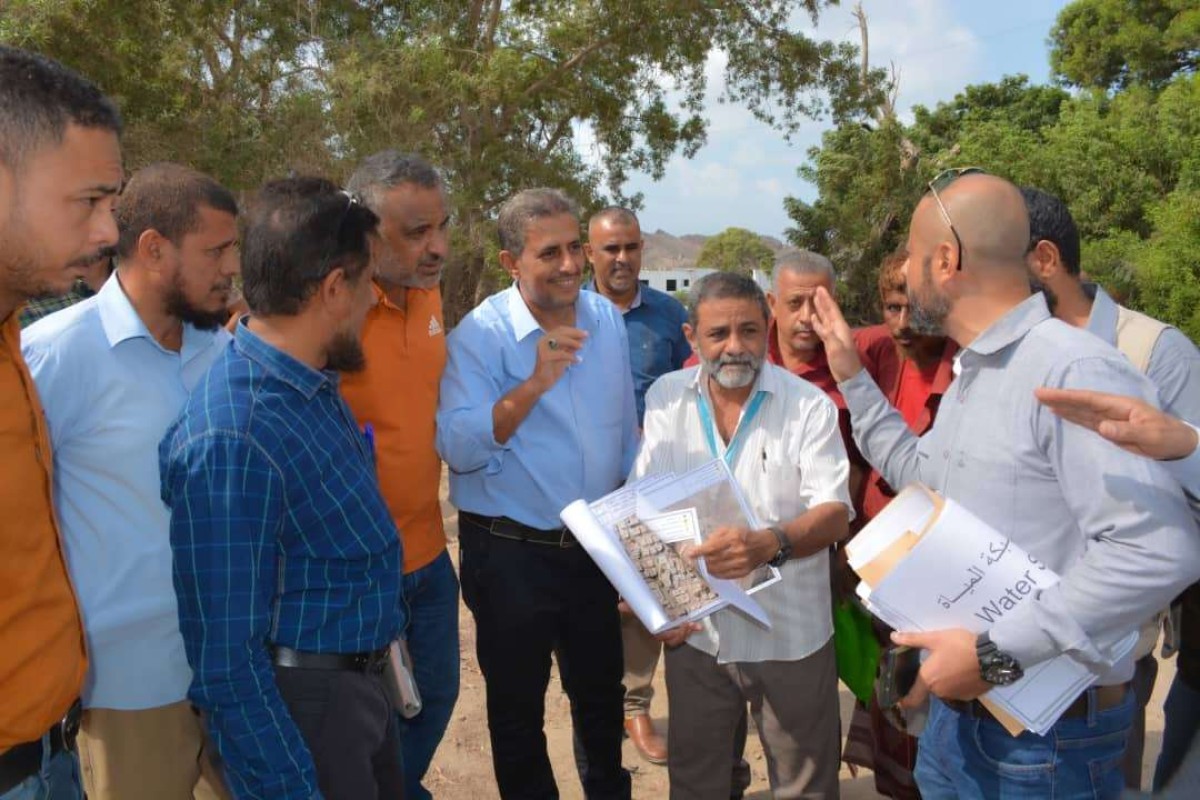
(113, 372)
(537, 411)
(1114, 526)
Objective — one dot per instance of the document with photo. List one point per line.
(638, 545)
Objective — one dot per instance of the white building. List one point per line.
(673, 280)
(682, 279)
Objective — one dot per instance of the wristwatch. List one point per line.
(785, 547)
(995, 666)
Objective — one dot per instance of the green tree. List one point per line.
(736, 250)
(1114, 44)
(492, 91)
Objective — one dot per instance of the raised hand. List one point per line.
(831, 326)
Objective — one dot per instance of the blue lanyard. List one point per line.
(735, 444)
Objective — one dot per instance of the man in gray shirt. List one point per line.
(1114, 526)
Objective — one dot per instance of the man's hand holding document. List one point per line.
(640, 537)
(929, 565)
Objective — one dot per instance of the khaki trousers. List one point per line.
(151, 754)
(641, 659)
(794, 705)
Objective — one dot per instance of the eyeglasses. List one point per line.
(941, 181)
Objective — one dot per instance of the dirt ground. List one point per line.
(462, 769)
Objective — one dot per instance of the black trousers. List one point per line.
(350, 728)
(529, 601)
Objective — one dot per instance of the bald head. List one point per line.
(990, 216)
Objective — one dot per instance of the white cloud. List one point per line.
(936, 54)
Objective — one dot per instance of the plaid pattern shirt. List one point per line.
(45, 306)
(280, 535)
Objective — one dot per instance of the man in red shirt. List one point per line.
(914, 372)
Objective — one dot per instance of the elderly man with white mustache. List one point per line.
(779, 436)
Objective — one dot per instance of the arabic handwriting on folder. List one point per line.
(927, 564)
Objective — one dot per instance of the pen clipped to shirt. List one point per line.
(369, 434)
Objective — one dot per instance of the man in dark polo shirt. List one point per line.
(654, 322)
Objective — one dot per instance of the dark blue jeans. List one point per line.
(432, 596)
(57, 780)
(974, 758)
(1182, 712)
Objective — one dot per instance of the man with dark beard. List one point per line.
(287, 561)
(113, 372)
(1099, 517)
(779, 436)
(1161, 352)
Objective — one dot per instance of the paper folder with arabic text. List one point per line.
(926, 563)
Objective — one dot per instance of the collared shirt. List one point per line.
(1174, 367)
(45, 306)
(579, 440)
(654, 323)
(110, 391)
(397, 395)
(881, 360)
(42, 658)
(280, 537)
(1114, 525)
(791, 459)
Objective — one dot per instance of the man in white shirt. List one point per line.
(780, 437)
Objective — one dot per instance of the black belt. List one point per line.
(506, 528)
(1106, 697)
(371, 662)
(21, 761)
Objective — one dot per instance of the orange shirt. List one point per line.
(42, 655)
(397, 394)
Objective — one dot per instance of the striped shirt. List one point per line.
(280, 535)
(791, 458)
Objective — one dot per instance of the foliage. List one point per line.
(736, 250)
(1123, 153)
(493, 91)
(1115, 44)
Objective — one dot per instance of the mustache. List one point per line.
(734, 361)
(88, 260)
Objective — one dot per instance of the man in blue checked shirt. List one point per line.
(287, 561)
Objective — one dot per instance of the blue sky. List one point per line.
(939, 46)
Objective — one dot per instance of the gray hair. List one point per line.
(524, 207)
(724, 286)
(804, 262)
(387, 170)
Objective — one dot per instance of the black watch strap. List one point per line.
(785, 547)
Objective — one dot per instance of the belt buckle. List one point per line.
(70, 723)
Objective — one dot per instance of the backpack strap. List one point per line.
(1136, 336)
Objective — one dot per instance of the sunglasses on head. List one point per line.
(939, 183)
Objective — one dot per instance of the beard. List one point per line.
(180, 307)
(927, 309)
(1036, 286)
(345, 353)
(733, 372)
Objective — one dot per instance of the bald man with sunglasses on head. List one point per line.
(1096, 515)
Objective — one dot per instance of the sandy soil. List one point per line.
(462, 769)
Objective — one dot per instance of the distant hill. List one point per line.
(665, 251)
